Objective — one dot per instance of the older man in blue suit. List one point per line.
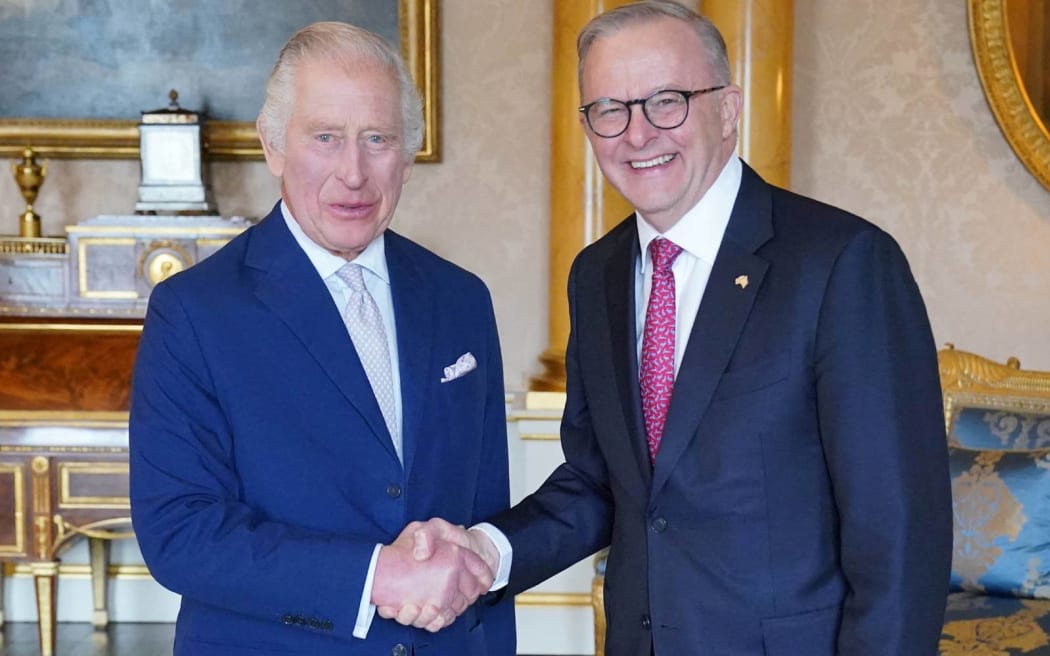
(304, 393)
(753, 411)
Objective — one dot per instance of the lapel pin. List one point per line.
(741, 281)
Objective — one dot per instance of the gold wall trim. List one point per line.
(526, 415)
(70, 418)
(174, 231)
(19, 518)
(1006, 96)
(547, 437)
(23, 570)
(545, 599)
(73, 327)
(232, 140)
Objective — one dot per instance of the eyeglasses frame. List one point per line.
(585, 109)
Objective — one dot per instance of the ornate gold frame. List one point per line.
(1021, 126)
(232, 140)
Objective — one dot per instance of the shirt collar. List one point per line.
(700, 230)
(372, 258)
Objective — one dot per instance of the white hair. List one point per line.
(351, 47)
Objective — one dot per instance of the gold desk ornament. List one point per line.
(30, 176)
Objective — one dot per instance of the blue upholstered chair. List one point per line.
(998, 422)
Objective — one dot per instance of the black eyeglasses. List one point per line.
(667, 109)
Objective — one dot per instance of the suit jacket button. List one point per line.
(393, 490)
(646, 623)
(288, 619)
(659, 525)
(399, 650)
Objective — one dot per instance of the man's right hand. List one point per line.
(428, 535)
(427, 593)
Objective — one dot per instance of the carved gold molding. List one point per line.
(1006, 96)
(969, 380)
(33, 246)
(237, 140)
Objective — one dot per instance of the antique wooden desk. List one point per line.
(64, 396)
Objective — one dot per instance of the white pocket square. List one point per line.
(465, 364)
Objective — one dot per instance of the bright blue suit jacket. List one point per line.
(800, 504)
(262, 473)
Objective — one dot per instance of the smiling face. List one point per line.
(342, 168)
(662, 173)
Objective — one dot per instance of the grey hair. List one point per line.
(644, 11)
(350, 47)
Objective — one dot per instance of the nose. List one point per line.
(351, 169)
(639, 130)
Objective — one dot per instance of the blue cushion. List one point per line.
(1001, 507)
(994, 428)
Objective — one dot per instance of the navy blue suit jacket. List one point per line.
(262, 473)
(800, 504)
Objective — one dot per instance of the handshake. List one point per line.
(433, 572)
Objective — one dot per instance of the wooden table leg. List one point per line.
(2, 572)
(46, 577)
(99, 549)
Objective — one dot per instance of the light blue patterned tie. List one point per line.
(366, 331)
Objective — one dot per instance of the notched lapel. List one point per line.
(719, 323)
(290, 287)
(735, 281)
(414, 313)
(619, 300)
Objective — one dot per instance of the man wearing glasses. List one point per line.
(753, 414)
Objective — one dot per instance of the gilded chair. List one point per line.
(997, 418)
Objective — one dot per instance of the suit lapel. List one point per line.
(414, 314)
(290, 287)
(620, 305)
(719, 322)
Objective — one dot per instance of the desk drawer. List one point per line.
(92, 485)
(13, 498)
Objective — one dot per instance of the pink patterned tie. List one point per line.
(657, 370)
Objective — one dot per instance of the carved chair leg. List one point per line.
(45, 575)
(99, 549)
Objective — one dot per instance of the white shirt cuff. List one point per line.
(366, 611)
(506, 553)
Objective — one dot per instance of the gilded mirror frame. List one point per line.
(232, 140)
(1003, 89)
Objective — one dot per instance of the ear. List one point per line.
(274, 158)
(407, 173)
(730, 104)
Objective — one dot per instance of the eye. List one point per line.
(608, 109)
(380, 141)
(326, 138)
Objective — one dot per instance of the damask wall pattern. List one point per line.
(889, 122)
